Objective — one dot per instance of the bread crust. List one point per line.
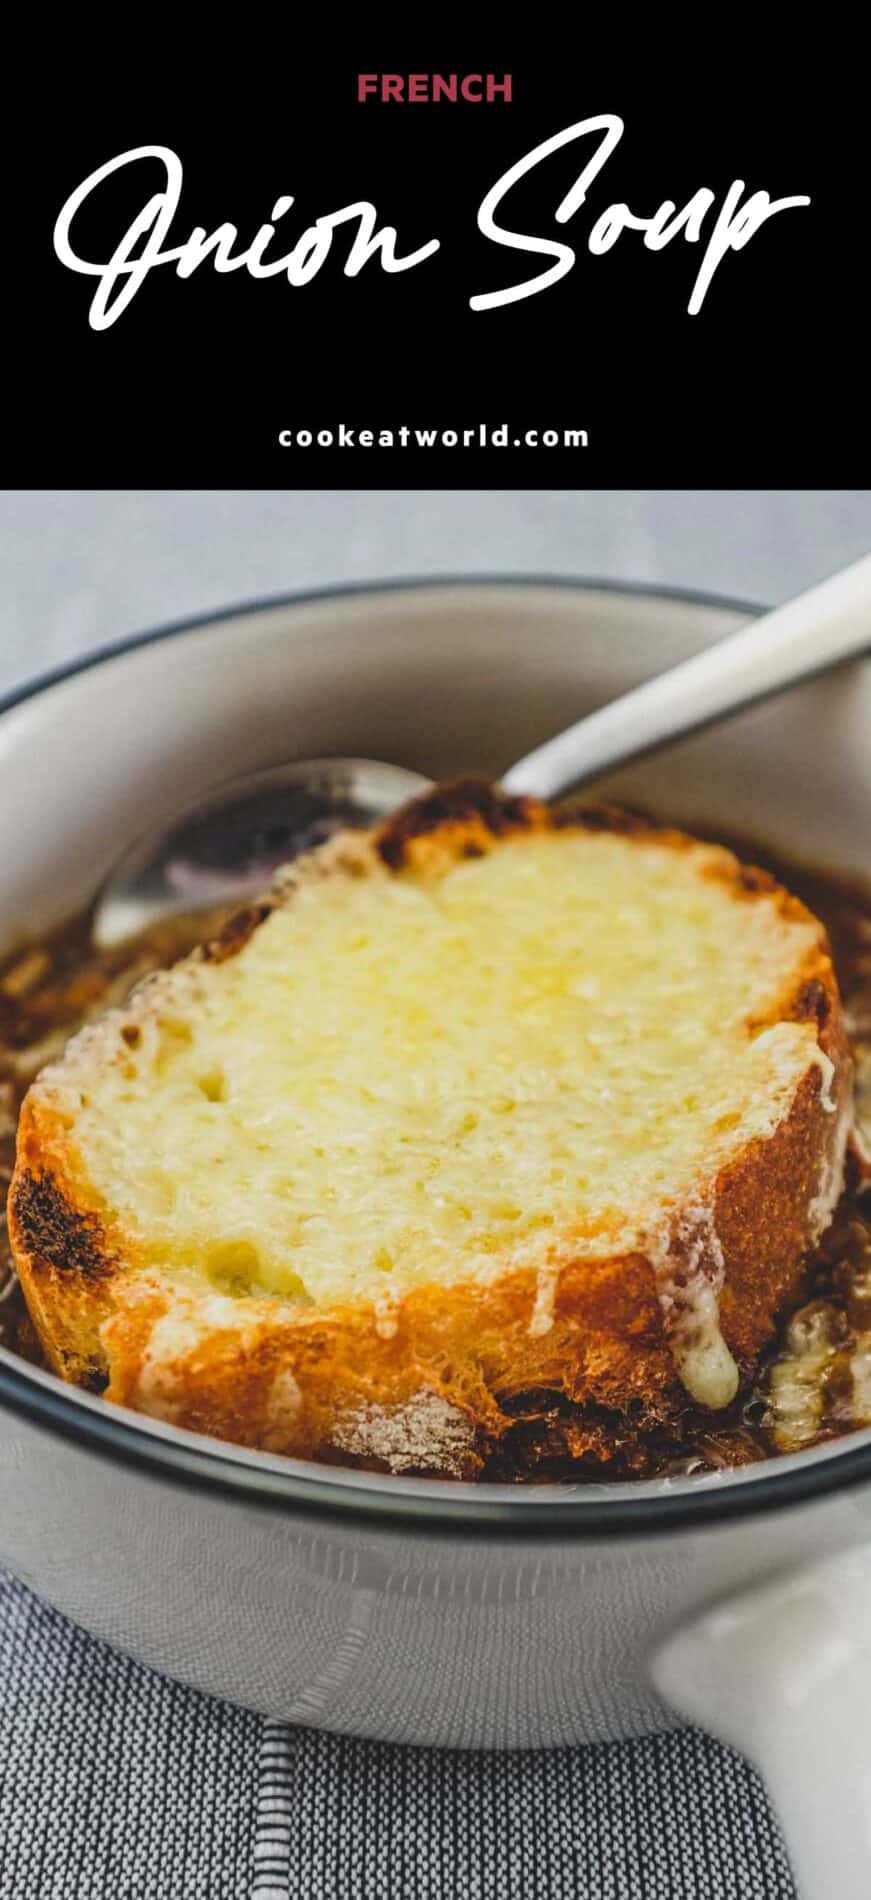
(422, 1383)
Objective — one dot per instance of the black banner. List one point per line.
(496, 265)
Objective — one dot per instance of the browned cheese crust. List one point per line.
(428, 1390)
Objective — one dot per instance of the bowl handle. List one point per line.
(782, 1672)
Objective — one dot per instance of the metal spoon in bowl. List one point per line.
(226, 846)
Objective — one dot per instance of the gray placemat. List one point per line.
(117, 1785)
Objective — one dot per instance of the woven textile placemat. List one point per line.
(118, 1785)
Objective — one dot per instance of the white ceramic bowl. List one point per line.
(410, 1609)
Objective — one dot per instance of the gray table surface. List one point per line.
(79, 568)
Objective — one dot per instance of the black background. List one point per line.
(768, 385)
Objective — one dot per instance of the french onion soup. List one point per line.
(498, 1142)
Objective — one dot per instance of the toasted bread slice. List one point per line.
(492, 1101)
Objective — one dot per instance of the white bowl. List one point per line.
(411, 1609)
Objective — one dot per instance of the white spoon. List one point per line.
(226, 846)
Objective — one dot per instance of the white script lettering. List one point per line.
(145, 243)
(140, 248)
(735, 224)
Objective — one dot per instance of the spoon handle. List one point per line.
(816, 630)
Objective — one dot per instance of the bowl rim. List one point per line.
(585, 1510)
(344, 590)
